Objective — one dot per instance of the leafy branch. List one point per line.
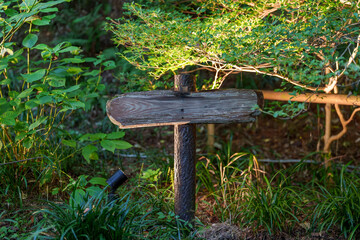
(278, 40)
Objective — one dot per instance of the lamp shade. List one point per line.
(117, 179)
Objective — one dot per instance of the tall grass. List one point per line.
(13, 182)
(273, 206)
(339, 205)
(144, 212)
(92, 218)
(226, 176)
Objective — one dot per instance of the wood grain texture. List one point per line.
(184, 156)
(162, 107)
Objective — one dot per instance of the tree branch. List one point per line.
(343, 123)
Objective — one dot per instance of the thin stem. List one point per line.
(24, 160)
(11, 142)
(98, 81)
(5, 147)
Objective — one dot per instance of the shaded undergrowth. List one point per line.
(234, 187)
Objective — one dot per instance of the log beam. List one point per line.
(321, 98)
(165, 107)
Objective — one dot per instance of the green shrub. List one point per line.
(41, 86)
(91, 218)
(339, 206)
(244, 195)
(141, 213)
(274, 207)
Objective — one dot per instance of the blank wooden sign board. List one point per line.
(183, 108)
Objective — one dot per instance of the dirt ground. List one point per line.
(225, 231)
(267, 138)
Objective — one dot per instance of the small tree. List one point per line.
(309, 45)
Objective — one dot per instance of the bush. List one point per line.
(90, 214)
(92, 218)
(339, 206)
(274, 207)
(41, 87)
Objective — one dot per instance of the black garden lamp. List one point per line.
(116, 181)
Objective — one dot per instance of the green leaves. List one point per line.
(74, 70)
(30, 40)
(120, 144)
(111, 145)
(115, 135)
(108, 145)
(45, 20)
(32, 104)
(42, 85)
(37, 123)
(109, 142)
(296, 46)
(98, 180)
(56, 81)
(25, 93)
(73, 104)
(45, 99)
(8, 118)
(72, 49)
(69, 143)
(35, 76)
(89, 153)
(92, 137)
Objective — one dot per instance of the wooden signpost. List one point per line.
(183, 108)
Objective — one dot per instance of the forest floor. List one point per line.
(268, 139)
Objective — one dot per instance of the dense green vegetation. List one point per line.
(58, 68)
(42, 86)
(307, 45)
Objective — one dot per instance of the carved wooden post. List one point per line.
(184, 156)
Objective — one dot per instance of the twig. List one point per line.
(216, 76)
(24, 160)
(296, 83)
(334, 80)
(223, 79)
(288, 161)
(133, 155)
(352, 57)
(343, 123)
(198, 69)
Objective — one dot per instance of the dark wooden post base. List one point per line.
(184, 170)
(184, 157)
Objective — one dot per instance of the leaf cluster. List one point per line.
(41, 86)
(295, 40)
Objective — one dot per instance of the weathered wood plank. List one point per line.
(163, 107)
